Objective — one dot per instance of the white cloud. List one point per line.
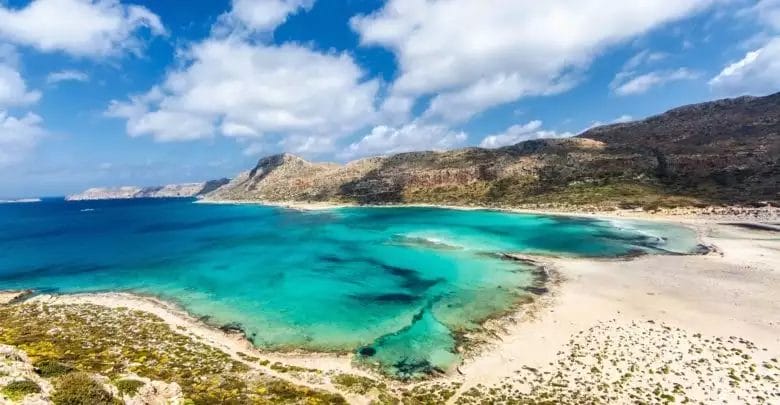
(619, 120)
(643, 58)
(767, 12)
(260, 15)
(626, 84)
(67, 75)
(287, 90)
(520, 133)
(758, 73)
(18, 137)
(385, 140)
(13, 89)
(473, 55)
(78, 27)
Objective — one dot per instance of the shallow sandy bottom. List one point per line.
(651, 311)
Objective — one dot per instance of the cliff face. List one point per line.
(168, 191)
(721, 152)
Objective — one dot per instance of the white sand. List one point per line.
(736, 293)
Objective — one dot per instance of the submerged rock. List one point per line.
(367, 351)
(233, 328)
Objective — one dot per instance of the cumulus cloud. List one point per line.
(89, 28)
(13, 89)
(18, 137)
(757, 73)
(384, 140)
(520, 133)
(626, 84)
(259, 15)
(471, 55)
(265, 90)
(67, 75)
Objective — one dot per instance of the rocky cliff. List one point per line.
(169, 191)
(722, 152)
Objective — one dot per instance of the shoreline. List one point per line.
(703, 294)
(545, 275)
(688, 214)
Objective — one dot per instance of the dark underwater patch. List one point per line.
(367, 351)
(389, 298)
(409, 279)
(27, 273)
(48, 233)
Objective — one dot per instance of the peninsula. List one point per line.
(185, 190)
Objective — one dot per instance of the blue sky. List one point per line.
(110, 92)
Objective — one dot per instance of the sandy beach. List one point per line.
(649, 312)
(730, 292)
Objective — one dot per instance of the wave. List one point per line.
(425, 241)
(653, 238)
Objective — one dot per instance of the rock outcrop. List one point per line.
(186, 190)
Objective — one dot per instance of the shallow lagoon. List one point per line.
(395, 284)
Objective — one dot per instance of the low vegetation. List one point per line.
(66, 341)
(17, 390)
(87, 352)
(80, 389)
(128, 386)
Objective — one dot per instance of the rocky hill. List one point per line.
(168, 191)
(721, 152)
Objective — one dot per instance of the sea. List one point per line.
(398, 287)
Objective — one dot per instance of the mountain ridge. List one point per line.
(714, 153)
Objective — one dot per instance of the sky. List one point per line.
(148, 92)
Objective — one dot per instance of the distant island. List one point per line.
(185, 190)
(21, 201)
(718, 153)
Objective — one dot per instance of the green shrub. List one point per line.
(129, 386)
(51, 368)
(16, 390)
(357, 384)
(80, 389)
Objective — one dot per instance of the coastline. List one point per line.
(688, 214)
(684, 292)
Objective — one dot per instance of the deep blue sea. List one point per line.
(397, 284)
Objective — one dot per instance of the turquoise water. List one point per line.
(394, 284)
